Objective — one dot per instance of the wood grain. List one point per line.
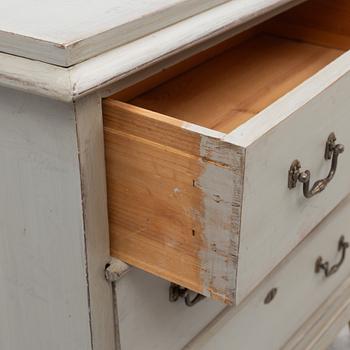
(181, 67)
(321, 22)
(70, 33)
(231, 88)
(111, 71)
(163, 209)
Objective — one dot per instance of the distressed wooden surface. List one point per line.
(148, 321)
(163, 204)
(69, 32)
(219, 94)
(44, 292)
(300, 292)
(320, 22)
(88, 114)
(139, 58)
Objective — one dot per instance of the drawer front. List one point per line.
(256, 324)
(148, 321)
(276, 218)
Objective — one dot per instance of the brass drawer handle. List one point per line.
(295, 174)
(324, 265)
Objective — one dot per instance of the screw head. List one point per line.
(304, 176)
(340, 148)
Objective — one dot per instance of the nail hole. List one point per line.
(193, 233)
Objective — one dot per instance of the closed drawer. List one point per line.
(148, 321)
(301, 291)
(198, 166)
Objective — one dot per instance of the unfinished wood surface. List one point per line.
(229, 89)
(183, 66)
(323, 22)
(163, 204)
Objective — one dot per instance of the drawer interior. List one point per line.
(250, 71)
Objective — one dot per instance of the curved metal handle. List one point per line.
(332, 152)
(176, 292)
(324, 265)
(196, 299)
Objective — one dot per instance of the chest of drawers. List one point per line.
(205, 143)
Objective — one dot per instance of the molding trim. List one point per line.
(145, 56)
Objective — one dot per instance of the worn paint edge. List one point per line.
(83, 217)
(116, 269)
(70, 83)
(220, 215)
(280, 110)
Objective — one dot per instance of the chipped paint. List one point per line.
(221, 186)
(177, 190)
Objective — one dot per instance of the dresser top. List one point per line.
(69, 31)
(68, 49)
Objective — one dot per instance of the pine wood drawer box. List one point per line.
(203, 186)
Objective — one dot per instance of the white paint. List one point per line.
(35, 77)
(324, 325)
(290, 103)
(44, 291)
(89, 127)
(68, 32)
(148, 321)
(151, 50)
(203, 131)
(301, 292)
(116, 270)
(222, 194)
(343, 340)
(274, 218)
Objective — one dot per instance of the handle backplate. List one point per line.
(322, 265)
(295, 174)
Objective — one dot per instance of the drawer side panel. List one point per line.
(174, 199)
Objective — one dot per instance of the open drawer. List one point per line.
(203, 187)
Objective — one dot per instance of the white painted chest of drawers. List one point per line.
(185, 138)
